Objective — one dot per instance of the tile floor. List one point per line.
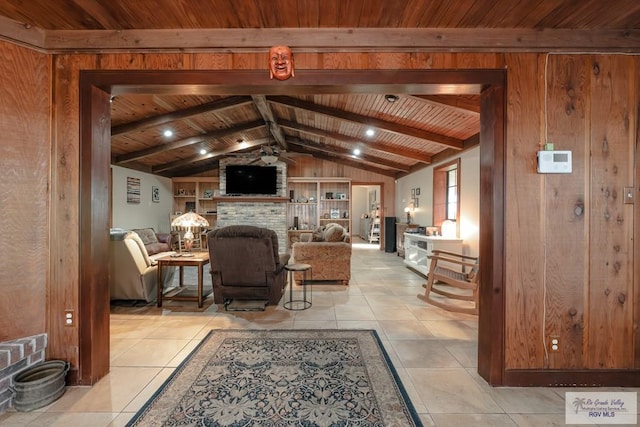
(434, 352)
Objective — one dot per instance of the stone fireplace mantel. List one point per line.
(251, 199)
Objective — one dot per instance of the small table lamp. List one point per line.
(407, 210)
(190, 219)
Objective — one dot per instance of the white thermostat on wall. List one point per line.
(554, 161)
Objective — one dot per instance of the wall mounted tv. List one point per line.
(248, 179)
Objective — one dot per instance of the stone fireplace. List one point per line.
(259, 210)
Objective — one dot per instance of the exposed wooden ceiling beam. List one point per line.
(453, 102)
(445, 155)
(265, 111)
(340, 160)
(369, 121)
(225, 150)
(377, 146)
(325, 39)
(124, 158)
(221, 104)
(298, 143)
(195, 170)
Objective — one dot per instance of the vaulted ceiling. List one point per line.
(411, 129)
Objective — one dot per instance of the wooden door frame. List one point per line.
(96, 86)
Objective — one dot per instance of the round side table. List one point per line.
(298, 304)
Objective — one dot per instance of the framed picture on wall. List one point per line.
(133, 190)
(418, 191)
(155, 194)
(416, 203)
(413, 193)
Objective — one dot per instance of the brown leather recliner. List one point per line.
(245, 264)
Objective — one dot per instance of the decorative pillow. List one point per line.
(334, 234)
(318, 236)
(147, 235)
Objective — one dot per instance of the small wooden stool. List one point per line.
(298, 304)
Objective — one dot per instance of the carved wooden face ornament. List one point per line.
(280, 63)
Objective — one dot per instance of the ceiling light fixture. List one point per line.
(203, 151)
(356, 151)
(390, 98)
(370, 132)
(167, 133)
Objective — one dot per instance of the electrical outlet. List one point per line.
(69, 318)
(555, 344)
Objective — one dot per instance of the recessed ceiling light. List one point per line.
(203, 151)
(356, 151)
(370, 132)
(168, 133)
(391, 98)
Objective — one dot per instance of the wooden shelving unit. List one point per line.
(198, 194)
(318, 201)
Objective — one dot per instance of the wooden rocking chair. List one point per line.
(448, 268)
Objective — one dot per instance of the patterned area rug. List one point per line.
(283, 378)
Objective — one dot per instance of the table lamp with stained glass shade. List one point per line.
(188, 220)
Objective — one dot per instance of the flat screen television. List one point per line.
(250, 179)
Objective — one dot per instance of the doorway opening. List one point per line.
(96, 88)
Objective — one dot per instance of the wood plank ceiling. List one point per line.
(411, 129)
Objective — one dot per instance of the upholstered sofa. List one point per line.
(156, 243)
(246, 264)
(133, 273)
(328, 251)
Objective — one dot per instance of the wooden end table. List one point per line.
(194, 259)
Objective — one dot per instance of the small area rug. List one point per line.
(283, 378)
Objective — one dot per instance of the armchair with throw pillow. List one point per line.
(328, 251)
(246, 265)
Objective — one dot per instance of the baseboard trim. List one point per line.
(571, 378)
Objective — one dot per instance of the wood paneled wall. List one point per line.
(570, 237)
(569, 255)
(24, 190)
(311, 167)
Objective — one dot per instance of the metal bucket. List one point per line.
(39, 385)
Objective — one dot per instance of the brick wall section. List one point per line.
(267, 215)
(15, 357)
(261, 214)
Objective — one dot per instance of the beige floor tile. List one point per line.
(118, 346)
(452, 391)
(184, 353)
(450, 329)
(316, 313)
(457, 420)
(405, 329)
(151, 352)
(392, 313)
(466, 353)
(315, 324)
(180, 328)
(424, 354)
(72, 419)
(12, 418)
(145, 394)
(111, 394)
(531, 400)
(539, 420)
(359, 313)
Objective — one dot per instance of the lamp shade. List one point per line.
(190, 219)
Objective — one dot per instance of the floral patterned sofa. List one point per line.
(328, 251)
